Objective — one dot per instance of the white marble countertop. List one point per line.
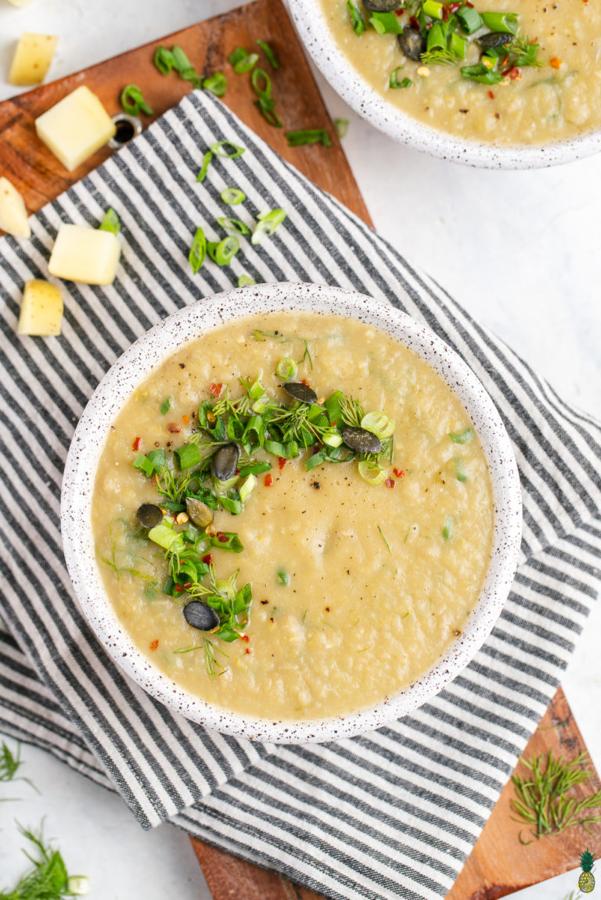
(521, 252)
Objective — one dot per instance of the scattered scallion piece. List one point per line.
(216, 84)
(447, 529)
(397, 81)
(242, 61)
(266, 106)
(270, 54)
(163, 60)
(206, 162)
(304, 136)
(245, 281)
(342, 127)
(462, 437)
(283, 577)
(261, 83)
(198, 250)
(133, 102)
(110, 222)
(356, 17)
(372, 472)
(481, 73)
(232, 196)
(506, 23)
(460, 470)
(469, 19)
(433, 9)
(286, 368)
(165, 406)
(268, 222)
(233, 226)
(227, 149)
(386, 23)
(223, 252)
(379, 424)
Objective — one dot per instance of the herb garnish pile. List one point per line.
(430, 32)
(236, 439)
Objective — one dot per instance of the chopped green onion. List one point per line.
(286, 368)
(181, 63)
(231, 505)
(481, 73)
(165, 536)
(386, 23)
(261, 83)
(110, 222)
(447, 529)
(379, 424)
(242, 61)
(233, 196)
(216, 84)
(245, 281)
(266, 106)
(460, 472)
(233, 226)
(356, 17)
(206, 162)
(437, 36)
(188, 455)
(255, 468)
(270, 54)
(133, 102)
(223, 252)
(198, 250)
(163, 60)
(462, 437)
(395, 81)
(142, 463)
(469, 19)
(457, 45)
(342, 127)
(247, 487)
(221, 149)
(331, 439)
(283, 577)
(433, 9)
(165, 406)
(372, 472)
(506, 23)
(305, 136)
(227, 540)
(267, 224)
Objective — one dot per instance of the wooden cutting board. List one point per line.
(499, 864)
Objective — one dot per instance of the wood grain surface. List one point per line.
(499, 863)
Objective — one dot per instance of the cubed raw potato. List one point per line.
(77, 126)
(41, 309)
(32, 58)
(85, 254)
(13, 214)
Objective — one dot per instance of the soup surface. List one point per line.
(357, 587)
(558, 98)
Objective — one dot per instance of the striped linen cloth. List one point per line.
(393, 813)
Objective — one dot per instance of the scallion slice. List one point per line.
(372, 472)
(267, 224)
(165, 406)
(342, 127)
(283, 577)
(304, 136)
(469, 19)
(233, 226)
(198, 250)
(110, 222)
(223, 252)
(356, 17)
(286, 368)
(245, 280)
(163, 60)
(216, 84)
(386, 23)
(270, 54)
(261, 83)
(433, 9)
(506, 23)
(232, 196)
(227, 149)
(133, 102)
(397, 81)
(242, 61)
(206, 162)
(447, 529)
(462, 437)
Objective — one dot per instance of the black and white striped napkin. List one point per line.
(393, 813)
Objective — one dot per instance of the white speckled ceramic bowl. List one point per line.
(134, 367)
(336, 67)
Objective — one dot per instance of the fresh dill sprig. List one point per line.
(213, 665)
(438, 57)
(172, 484)
(352, 411)
(542, 800)
(10, 765)
(48, 878)
(384, 538)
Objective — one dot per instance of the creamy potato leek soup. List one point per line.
(492, 70)
(293, 516)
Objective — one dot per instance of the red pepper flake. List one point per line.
(245, 638)
(247, 650)
(555, 62)
(399, 473)
(208, 559)
(173, 428)
(215, 389)
(222, 538)
(491, 95)
(399, 12)
(413, 22)
(514, 73)
(154, 644)
(305, 382)
(179, 589)
(281, 462)
(136, 443)
(186, 420)
(389, 482)
(268, 480)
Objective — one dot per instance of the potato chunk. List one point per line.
(85, 254)
(33, 55)
(13, 214)
(76, 127)
(41, 310)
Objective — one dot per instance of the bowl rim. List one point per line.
(311, 23)
(166, 338)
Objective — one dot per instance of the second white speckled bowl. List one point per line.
(135, 366)
(336, 67)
